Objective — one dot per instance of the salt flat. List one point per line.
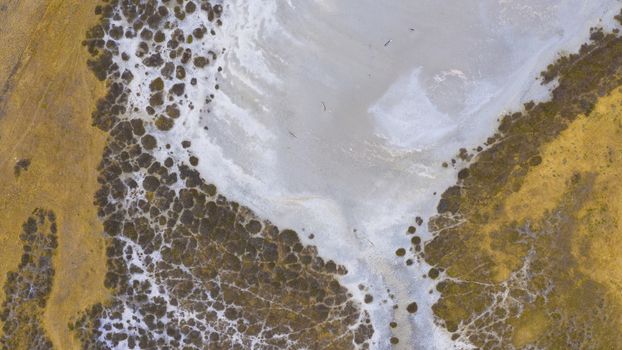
(334, 117)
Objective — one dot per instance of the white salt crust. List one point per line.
(333, 118)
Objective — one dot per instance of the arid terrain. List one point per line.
(219, 174)
(48, 95)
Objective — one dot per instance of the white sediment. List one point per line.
(334, 117)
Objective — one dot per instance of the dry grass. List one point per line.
(45, 117)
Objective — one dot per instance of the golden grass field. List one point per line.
(48, 94)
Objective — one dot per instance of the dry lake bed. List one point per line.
(310, 174)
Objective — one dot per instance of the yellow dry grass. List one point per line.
(45, 117)
(590, 145)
